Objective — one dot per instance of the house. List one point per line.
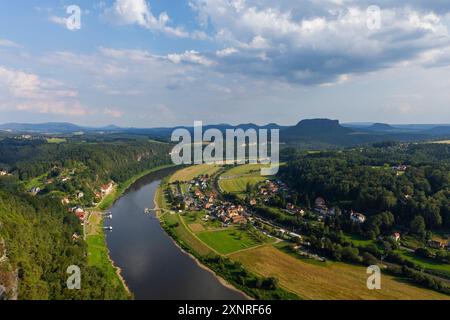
(3, 173)
(77, 209)
(401, 168)
(106, 188)
(253, 202)
(295, 235)
(436, 244)
(35, 190)
(232, 212)
(290, 207)
(208, 205)
(357, 217)
(396, 236)
(239, 220)
(80, 195)
(199, 194)
(80, 215)
(320, 202)
(65, 201)
(75, 237)
(320, 206)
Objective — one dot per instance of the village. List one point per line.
(201, 195)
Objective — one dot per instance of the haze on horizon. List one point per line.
(156, 63)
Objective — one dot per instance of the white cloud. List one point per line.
(190, 57)
(8, 43)
(28, 92)
(58, 20)
(226, 52)
(129, 12)
(316, 42)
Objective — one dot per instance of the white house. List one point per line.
(357, 217)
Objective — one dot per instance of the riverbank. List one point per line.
(228, 272)
(98, 252)
(109, 200)
(159, 206)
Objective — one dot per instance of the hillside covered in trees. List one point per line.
(36, 230)
(409, 181)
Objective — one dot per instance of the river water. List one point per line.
(152, 265)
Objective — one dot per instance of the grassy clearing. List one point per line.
(327, 282)
(229, 240)
(56, 140)
(236, 179)
(238, 186)
(358, 240)
(190, 173)
(246, 169)
(182, 234)
(36, 182)
(425, 263)
(98, 254)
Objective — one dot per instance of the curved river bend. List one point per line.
(152, 265)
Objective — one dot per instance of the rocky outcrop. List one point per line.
(9, 280)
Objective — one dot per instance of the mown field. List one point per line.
(183, 234)
(235, 180)
(56, 140)
(228, 240)
(330, 281)
(190, 173)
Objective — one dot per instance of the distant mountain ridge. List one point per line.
(308, 133)
(381, 127)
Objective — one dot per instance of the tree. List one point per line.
(418, 226)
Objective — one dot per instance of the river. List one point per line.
(153, 267)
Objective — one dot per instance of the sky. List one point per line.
(153, 63)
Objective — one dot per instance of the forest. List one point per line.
(36, 231)
(366, 180)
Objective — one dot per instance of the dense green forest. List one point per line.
(116, 159)
(37, 231)
(38, 237)
(366, 181)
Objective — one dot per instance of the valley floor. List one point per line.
(268, 256)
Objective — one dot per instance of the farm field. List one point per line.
(328, 282)
(183, 234)
(228, 240)
(190, 173)
(56, 140)
(236, 179)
